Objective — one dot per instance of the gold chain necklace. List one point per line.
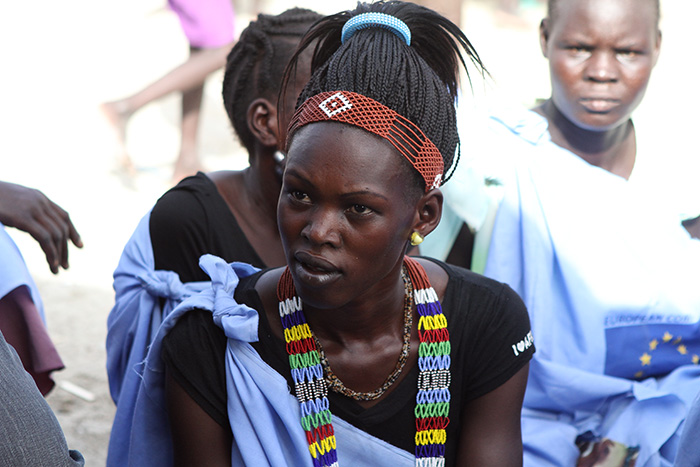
(336, 385)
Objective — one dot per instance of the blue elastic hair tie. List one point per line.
(378, 20)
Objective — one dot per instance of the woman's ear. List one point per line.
(544, 35)
(428, 212)
(262, 121)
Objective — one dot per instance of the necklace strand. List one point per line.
(311, 388)
(336, 385)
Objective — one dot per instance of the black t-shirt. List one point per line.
(192, 219)
(486, 321)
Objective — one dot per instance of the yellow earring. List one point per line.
(416, 239)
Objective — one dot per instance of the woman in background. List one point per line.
(231, 214)
(586, 235)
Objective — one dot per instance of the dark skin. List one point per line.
(601, 55)
(29, 210)
(251, 194)
(462, 250)
(345, 217)
(197, 438)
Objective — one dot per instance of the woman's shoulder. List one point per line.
(266, 290)
(473, 298)
(258, 284)
(200, 182)
(223, 177)
(185, 197)
(229, 184)
(198, 324)
(489, 329)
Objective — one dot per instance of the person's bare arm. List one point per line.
(29, 210)
(197, 438)
(491, 431)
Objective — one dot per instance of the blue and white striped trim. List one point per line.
(374, 19)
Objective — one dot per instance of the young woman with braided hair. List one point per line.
(231, 214)
(252, 80)
(357, 355)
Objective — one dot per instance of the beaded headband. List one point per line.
(361, 111)
(378, 20)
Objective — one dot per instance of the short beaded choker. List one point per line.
(433, 398)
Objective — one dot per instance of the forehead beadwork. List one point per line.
(331, 105)
(366, 113)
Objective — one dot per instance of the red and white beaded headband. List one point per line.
(361, 111)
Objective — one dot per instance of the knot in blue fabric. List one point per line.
(375, 20)
(239, 322)
(164, 284)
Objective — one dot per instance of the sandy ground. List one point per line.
(61, 59)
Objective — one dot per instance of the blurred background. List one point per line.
(60, 60)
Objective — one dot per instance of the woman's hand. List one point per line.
(29, 210)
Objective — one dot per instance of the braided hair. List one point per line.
(419, 81)
(255, 66)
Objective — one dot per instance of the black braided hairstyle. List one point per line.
(255, 66)
(419, 81)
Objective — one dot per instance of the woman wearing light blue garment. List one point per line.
(227, 213)
(689, 448)
(354, 353)
(605, 268)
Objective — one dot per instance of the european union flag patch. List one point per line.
(638, 347)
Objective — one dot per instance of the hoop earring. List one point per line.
(416, 239)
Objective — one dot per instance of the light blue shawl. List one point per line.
(132, 325)
(612, 284)
(264, 415)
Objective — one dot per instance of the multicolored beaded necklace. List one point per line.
(433, 398)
